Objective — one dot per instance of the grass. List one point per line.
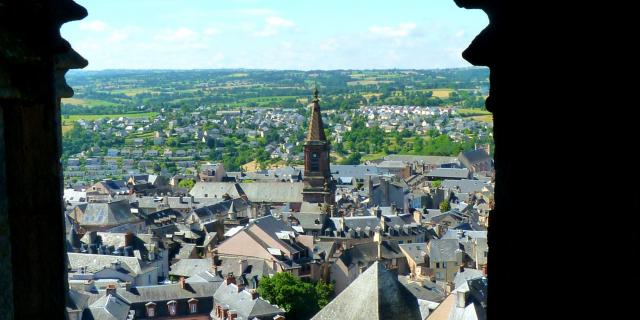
(485, 118)
(88, 102)
(267, 99)
(472, 112)
(132, 92)
(373, 156)
(367, 82)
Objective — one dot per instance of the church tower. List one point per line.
(318, 185)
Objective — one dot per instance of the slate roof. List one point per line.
(441, 250)
(107, 214)
(243, 303)
(255, 192)
(97, 262)
(77, 300)
(449, 173)
(168, 292)
(274, 191)
(468, 274)
(473, 157)
(355, 222)
(434, 160)
(375, 294)
(391, 164)
(108, 307)
(307, 220)
(415, 251)
(256, 268)
(185, 251)
(355, 171)
(466, 185)
(365, 253)
(189, 267)
(423, 290)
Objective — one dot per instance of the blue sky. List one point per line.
(273, 34)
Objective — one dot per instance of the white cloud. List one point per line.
(402, 30)
(273, 25)
(330, 44)
(180, 35)
(211, 32)
(459, 33)
(96, 25)
(117, 36)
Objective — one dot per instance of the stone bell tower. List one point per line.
(318, 185)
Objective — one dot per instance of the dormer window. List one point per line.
(151, 309)
(172, 306)
(193, 305)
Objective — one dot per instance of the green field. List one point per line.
(486, 118)
(88, 102)
(472, 112)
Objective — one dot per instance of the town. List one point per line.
(168, 227)
(175, 143)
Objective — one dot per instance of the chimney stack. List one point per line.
(127, 286)
(461, 301)
(240, 284)
(254, 294)
(181, 282)
(229, 278)
(111, 289)
(462, 267)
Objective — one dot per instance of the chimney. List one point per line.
(233, 315)
(229, 278)
(461, 301)
(88, 285)
(384, 184)
(394, 210)
(127, 286)
(111, 289)
(243, 265)
(254, 294)
(368, 184)
(417, 216)
(240, 284)
(461, 267)
(181, 282)
(484, 270)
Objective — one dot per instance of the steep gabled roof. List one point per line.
(316, 127)
(375, 294)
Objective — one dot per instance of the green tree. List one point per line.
(301, 300)
(324, 291)
(186, 184)
(353, 158)
(445, 206)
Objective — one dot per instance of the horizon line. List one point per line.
(269, 69)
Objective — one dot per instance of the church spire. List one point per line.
(316, 127)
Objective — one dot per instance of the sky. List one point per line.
(274, 34)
